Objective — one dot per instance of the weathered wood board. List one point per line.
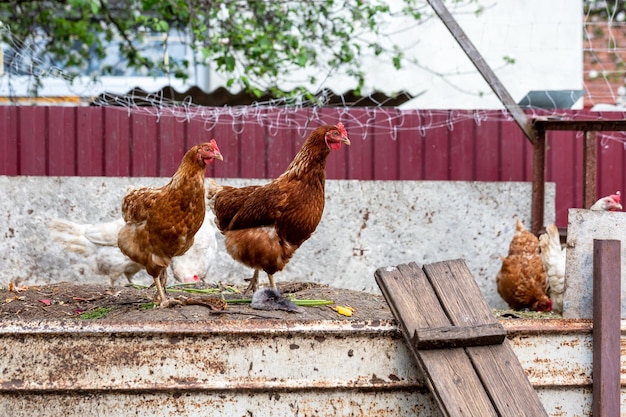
(475, 372)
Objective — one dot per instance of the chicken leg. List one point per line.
(253, 282)
(160, 295)
(161, 298)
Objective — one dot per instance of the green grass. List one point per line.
(303, 303)
(96, 313)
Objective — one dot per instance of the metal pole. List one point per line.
(590, 162)
(539, 182)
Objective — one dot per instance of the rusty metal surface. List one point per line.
(261, 368)
(580, 125)
(331, 403)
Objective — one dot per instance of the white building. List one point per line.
(530, 44)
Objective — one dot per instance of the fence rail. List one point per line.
(387, 144)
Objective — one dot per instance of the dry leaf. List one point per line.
(15, 288)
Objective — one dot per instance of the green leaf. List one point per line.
(266, 39)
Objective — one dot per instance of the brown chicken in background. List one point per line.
(264, 225)
(160, 223)
(521, 281)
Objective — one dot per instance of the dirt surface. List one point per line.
(105, 303)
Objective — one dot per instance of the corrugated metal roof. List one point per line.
(222, 97)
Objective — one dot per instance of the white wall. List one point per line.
(366, 225)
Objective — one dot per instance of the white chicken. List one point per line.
(553, 259)
(98, 243)
(553, 255)
(608, 203)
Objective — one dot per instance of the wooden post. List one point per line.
(606, 328)
(590, 158)
(539, 182)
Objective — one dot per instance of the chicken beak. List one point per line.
(218, 155)
(345, 140)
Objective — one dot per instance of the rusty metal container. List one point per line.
(258, 368)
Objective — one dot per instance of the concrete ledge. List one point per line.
(366, 225)
(584, 226)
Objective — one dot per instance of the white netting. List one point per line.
(532, 45)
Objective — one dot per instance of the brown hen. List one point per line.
(521, 281)
(264, 225)
(160, 223)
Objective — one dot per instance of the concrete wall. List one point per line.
(366, 225)
(583, 227)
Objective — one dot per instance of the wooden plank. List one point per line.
(449, 373)
(401, 285)
(606, 328)
(459, 294)
(456, 386)
(505, 381)
(453, 336)
(497, 366)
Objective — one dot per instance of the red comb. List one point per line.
(214, 144)
(342, 129)
(616, 197)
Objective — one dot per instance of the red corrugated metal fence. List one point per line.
(387, 144)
